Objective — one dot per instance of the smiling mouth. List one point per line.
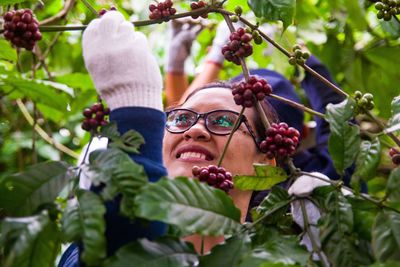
(194, 155)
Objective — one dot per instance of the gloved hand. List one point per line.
(303, 187)
(183, 34)
(221, 38)
(120, 63)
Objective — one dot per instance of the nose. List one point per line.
(197, 132)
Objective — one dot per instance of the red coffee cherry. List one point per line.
(21, 28)
(161, 10)
(239, 46)
(395, 155)
(214, 176)
(197, 5)
(281, 141)
(245, 93)
(95, 116)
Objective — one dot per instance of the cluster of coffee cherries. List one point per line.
(387, 9)
(364, 102)
(95, 116)
(298, 56)
(161, 10)
(197, 5)
(215, 176)
(238, 46)
(22, 28)
(281, 141)
(245, 93)
(104, 11)
(395, 155)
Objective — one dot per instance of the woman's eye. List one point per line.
(224, 121)
(182, 119)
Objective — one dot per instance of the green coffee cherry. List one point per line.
(296, 47)
(357, 95)
(368, 96)
(298, 53)
(234, 18)
(379, 5)
(306, 55)
(258, 39)
(292, 61)
(300, 61)
(238, 10)
(387, 16)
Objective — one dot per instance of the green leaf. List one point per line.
(368, 159)
(77, 80)
(337, 114)
(276, 204)
(85, 221)
(356, 14)
(266, 177)
(228, 253)
(336, 233)
(343, 145)
(22, 193)
(30, 241)
(394, 122)
(386, 236)
(130, 141)
(11, 2)
(189, 204)
(163, 252)
(278, 249)
(7, 52)
(393, 185)
(273, 10)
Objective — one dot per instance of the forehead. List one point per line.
(211, 99)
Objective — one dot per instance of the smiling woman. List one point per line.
(127, 77)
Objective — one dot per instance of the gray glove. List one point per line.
(183, 35)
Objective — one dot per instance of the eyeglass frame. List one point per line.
(243, 119)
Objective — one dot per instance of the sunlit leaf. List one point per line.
(266, 177)
(273, 10)
(368, 159)
(7, 52)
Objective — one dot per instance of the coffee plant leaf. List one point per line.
(166, 252)
(30, 241)
(11, 2)
(368, 159)
(22, 193)
(7, 52)
(394, 122)
(191, 205)
(386, 236)
(393, 185)
(273, 10)
(278, 250)
(356, 14)
(273, 206)
(84, 221)
(229, 253)
(130, 141)
(337, 224)
(343, 145)
(337, 114)
(266, 177)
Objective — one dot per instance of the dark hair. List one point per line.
(269, 111)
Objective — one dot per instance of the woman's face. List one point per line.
(197, 146)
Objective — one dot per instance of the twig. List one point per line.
(362, 195)
(314, 244)
(297, 105)
(235, 126)
(89, 6)
(382, 127)
(43, 134)
(62, 14)
(46, 53)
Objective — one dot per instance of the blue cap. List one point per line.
(282, 87)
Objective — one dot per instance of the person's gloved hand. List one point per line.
(303, 187)
(183, 34)
(221, 38)
(120, 63)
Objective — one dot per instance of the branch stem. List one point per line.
(297, 105)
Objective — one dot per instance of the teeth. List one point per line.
(192, 155)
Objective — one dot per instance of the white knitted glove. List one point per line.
(119, 60)
(182, 36)
(305, 184)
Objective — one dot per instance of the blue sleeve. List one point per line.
(120, 230)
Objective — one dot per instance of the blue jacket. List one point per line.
(119, 230)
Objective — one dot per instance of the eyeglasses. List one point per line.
(218, 122)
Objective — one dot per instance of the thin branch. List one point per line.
(314, 244)
(362, 195)
(297, 105)
(59, 16)
(46, 53)
(235, 126)
(43, 134)
(382, 127)
(89, 6)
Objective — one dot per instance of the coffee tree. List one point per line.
(45, 88)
